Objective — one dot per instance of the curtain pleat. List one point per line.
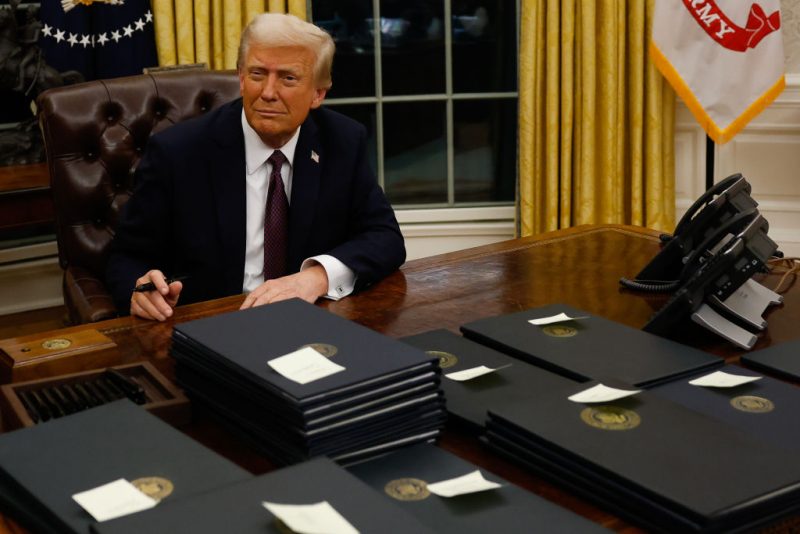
(164, 23)
(202, 34)
(596, 125)
(208, 31)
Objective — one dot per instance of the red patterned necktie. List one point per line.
(276, 221)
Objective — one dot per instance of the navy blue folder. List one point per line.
(242, 342)
(469, 401)
(43, 466)
(782, 359)
(506, 509)
(767, 408)
(590, 348)
(237, 508)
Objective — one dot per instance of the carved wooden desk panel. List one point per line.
(579, 266)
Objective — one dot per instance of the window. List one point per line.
(435, 84)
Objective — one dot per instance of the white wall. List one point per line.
(30, 278)
(766, 152)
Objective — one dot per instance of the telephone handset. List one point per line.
(718, 266)
(707, 217)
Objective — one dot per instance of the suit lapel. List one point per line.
(227, 168)
(306, 175)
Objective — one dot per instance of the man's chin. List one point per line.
(273, 137)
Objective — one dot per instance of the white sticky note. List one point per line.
(560, 318)
(721, 379)
(317, 518)
(602, 393)
(304, 365)
(113, 500)
(474, 372)
(469, 483)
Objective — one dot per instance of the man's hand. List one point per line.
(309, 285)
(155, 305)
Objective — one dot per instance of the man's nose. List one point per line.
(269, 88)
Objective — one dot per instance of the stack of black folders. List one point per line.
(402, 477)
(676, 457)
(238, 508)
(589, 348)
(388, 394)
(513, 381)
(43, 466)
(659, 463)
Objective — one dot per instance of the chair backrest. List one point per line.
(94, 134)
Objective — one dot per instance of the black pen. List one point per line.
(150, 286)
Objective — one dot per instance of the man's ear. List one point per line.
(319, 96)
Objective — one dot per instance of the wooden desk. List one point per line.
(25, 199)
(579, 267)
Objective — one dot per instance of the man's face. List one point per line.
(278, 90)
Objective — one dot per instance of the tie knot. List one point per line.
(277, 159)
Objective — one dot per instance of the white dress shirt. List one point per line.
(341, 279)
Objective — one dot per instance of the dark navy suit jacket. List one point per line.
(187, 212)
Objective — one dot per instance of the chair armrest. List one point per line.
(86, 297)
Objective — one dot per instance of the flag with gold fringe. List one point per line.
(723, 57)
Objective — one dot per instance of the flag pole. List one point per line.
(709, 162)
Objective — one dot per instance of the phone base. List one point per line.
(706, 317)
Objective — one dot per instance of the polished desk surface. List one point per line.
(578, 266)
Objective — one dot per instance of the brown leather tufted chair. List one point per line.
(94, 134)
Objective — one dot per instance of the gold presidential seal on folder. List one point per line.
(154, 487)
(559, 330)
(326, 349)
(446, 359)
(752, 404)
(608, 417)
(407, 489)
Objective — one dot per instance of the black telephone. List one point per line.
(716, 268)
(711, 213)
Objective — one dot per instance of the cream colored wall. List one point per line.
(766, 152)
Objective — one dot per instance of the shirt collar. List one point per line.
(256, 151)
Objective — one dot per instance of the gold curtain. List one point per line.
(596, 119)
(208, 31)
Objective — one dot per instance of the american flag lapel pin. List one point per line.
(315, 156)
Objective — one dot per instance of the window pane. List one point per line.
(365, 114)
(412, 46)
(354, 63)
(484, 45)
(485, 146)
(415, 152)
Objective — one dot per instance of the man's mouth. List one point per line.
(268, 112)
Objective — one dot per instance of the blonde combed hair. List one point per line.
(276, 29)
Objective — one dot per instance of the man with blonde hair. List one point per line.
(270, 194)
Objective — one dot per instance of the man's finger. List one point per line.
(150, 307)
(137, 310)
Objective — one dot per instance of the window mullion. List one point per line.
(376, 45)
(448, 66)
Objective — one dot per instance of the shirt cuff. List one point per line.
(341, 278)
